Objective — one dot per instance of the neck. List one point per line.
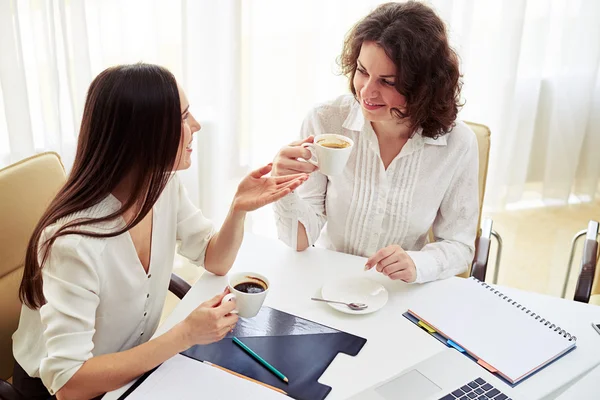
(392, 130)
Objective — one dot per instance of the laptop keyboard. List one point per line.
(476, 390)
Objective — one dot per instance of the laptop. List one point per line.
(448, 375)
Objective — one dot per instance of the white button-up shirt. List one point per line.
(431, 183)
(99, 298)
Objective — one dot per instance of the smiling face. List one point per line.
(375, 84)
(189, 126)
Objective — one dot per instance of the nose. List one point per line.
(370, 89)
(194, 125)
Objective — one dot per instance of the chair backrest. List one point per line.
(587, 289)
(483, 135)
(26, 189)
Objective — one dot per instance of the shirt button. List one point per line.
(145, 314)
(148, 295)
(141, 333)
(149, 276)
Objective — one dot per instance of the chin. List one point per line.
(185, 164)
(375, 117)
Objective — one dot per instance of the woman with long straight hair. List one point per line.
(99, 262)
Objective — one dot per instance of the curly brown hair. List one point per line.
(415, 39)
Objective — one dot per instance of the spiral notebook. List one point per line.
(503, 336)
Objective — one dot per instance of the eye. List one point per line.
(362, 71)
(388, 83)
(185, 116)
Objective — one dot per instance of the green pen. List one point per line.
(260, 359)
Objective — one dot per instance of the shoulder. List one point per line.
(461, 138)
(80, 244)
(73, 257)
(73, 244)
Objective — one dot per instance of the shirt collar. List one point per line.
(355, 121)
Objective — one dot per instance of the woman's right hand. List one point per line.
(210, 321)
(287, 161)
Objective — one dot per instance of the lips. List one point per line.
(371, 105)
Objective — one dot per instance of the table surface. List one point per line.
(394, 344)
(587, 387)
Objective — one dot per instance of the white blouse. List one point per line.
(99, 298)
(429, 184)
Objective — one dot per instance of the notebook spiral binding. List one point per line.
(529, 312)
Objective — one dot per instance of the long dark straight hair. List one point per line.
(131, 128)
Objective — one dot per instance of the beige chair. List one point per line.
(588, 282)
(483, 242)
(26, 189)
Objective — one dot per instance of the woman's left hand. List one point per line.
(393, 262)
(256, 190)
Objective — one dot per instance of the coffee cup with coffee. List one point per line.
(249, 290)
(330, 152)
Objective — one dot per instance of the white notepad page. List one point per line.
(490, 327)
(182, 378)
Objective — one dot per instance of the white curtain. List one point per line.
(52, 49)
(531, 73)
(253, 68)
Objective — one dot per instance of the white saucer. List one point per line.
(355, 290)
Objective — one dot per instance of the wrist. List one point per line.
(236, 212)
(182, 336)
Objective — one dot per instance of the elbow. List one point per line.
(66, 393)
(219, 272)
(219, 269)
(301, 247)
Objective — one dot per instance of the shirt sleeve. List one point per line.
(455, 226)
(307, 203)
(194, 230)
(71, 287)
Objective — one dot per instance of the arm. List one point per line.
(300, 216)
(72, 290)
(455, 226)
(217, 251)
(224, 245)
(108, 372)
(303, 211)
(208, 323)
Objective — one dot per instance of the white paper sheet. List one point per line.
(182, 378)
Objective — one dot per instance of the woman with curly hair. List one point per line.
(413, 166)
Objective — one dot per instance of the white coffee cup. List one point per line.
(331, 161)
(247, 304)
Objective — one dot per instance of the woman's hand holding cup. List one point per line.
(210, 321)
(292, 158)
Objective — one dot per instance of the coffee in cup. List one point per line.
(330, 152)
(252, 285)
(249, 290)
(333, 143)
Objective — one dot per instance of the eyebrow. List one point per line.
(186, 109)
(381, 76)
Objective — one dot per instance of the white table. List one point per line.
(394, 343)
(587, 387)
